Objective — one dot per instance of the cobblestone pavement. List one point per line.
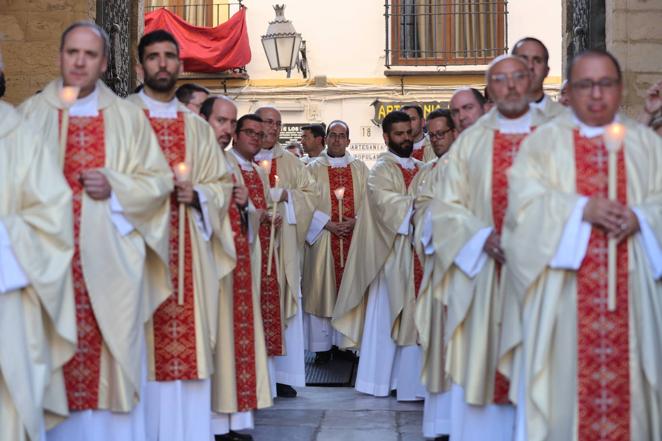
(338, 414)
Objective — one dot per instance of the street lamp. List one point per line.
(281, 42)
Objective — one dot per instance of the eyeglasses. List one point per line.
(439, 134)
(338, 136)
(587, 85)
(502, 78)
(271, 122)
(252, 133)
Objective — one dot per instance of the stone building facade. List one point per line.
(30, 29)
(30, 40)
(634, 35)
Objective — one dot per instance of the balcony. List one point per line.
(444, 32)
(198, 13)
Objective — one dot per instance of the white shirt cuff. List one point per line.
(406, 222)
(426, 235)
(201, 218)
(12, 276)
(650, 244)
(317, 224)
(471, 257)
(289, 209)
(574, 240)
(122, 224)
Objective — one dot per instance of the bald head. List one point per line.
(508, 82)
(221, 113)
(83, 56)
(466, 106)
(272, 124)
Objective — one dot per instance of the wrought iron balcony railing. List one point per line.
(208, 14)
(444, 32)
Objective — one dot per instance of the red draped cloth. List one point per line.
(341, 177)
(603, 356)
(242, 316)
(204, 49)
(270, 290)
(175, 356)
(85, 150)
(504, 150)
(408, 176)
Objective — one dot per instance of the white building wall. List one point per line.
(345, 42)
(346, 38)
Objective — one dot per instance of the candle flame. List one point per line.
(266, 165)
(182, 171)
(339, 192)
(276, 179)
(68, 95)
(614, 135)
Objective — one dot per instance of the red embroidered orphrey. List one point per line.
(603, 356)
(270, 290)
(408, 176)
(341, 177)
(418, 154)
(242, 316)
(504, 150)
(175, 356)
(85, 150)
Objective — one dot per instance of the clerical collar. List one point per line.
(591, 131)
(406, 163)
(514, 125)
(88, 106)
(540, 104)
(159, 109)
(419, 144)
(340, 162)
(243, 162)
(264, 154)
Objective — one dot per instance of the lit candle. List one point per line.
(182, 173)
(340, 194)
(265, 164)
(273, 227)
(613, 138)
(68, 96)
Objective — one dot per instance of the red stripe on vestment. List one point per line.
(408, 176)
(270, 290)
(242, 316)
(86, 150)
(504, 150)
(603, 357)
(175, 355)
(341, 177)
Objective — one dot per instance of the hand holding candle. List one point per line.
(340, 194)
(68, 96)
(182, 173)
(613, 137)
(273, 229)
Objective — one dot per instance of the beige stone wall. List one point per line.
(634, 35)
(31, 40)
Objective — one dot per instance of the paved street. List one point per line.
(338, 414)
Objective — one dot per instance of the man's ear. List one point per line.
(140, 72)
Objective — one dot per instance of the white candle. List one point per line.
(68, 96)
(340, 194)
(182, 173)
(613, 137)
(272, 232)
